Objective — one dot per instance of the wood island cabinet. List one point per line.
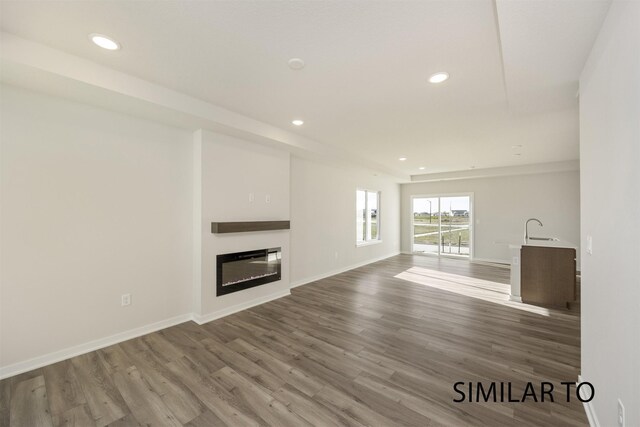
(548, 275)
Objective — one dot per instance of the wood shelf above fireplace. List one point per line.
(245, 226)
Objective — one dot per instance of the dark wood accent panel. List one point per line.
(548, 275)
(381, 345)
(245, 226)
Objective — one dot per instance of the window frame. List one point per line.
(367, 220)
(472, 231)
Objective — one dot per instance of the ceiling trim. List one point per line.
(538, 168)
(501, 53)
(35, 66)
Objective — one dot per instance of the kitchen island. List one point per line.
(543, 272)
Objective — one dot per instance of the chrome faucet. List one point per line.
(526, 228)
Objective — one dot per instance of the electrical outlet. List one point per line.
(621, 421)
(126, 299)
(515, 260)
(267, 198)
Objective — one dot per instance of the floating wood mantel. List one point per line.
(242, 227)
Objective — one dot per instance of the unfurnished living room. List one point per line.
(320, 213)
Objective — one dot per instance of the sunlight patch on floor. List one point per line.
(484, 290)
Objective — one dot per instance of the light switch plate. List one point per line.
(589, 245)
(126, 299)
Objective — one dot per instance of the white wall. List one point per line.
(503, 204)
(231, 169)
(95, 204)
(323, 218)
(610, 176)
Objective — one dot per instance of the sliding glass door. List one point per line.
(441, 225)
(426, 225)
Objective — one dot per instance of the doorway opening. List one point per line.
(442, 225)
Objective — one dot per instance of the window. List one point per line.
(367, 216)
(442, 225)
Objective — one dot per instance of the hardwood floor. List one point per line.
(381, 345)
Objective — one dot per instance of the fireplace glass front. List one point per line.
(242, 270)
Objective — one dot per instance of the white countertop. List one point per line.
(516, 242)
(543, 244)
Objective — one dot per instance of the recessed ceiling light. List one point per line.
(296, 63)
(515, 147)
(297, 122)
(402, 159)
(439, 77)
(421, 168)
(104, 41)
(517, 154)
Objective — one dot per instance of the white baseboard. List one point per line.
(589, 409)
(500, 262)
(312, 279)
(206, 318)
(496, 262)
(57, 356)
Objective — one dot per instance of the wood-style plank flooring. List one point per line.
(380, 345)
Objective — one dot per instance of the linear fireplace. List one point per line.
(242, 270)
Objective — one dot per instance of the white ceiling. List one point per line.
(514, 67)
(544, 48)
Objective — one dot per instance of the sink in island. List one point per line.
(543, 272)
